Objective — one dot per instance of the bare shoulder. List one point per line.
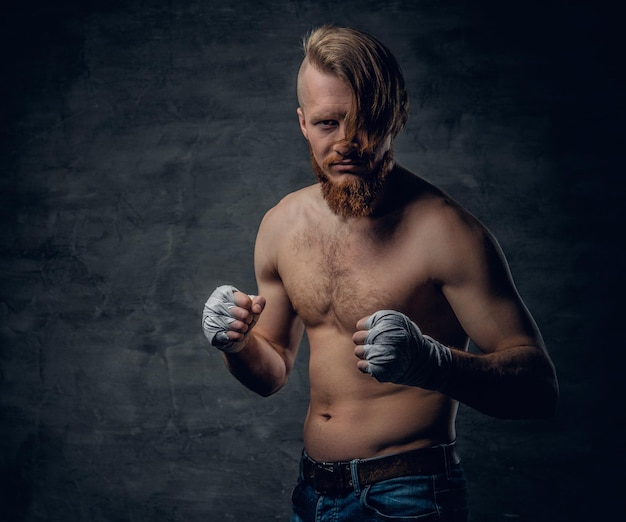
(291, 206)
(432, 209)
(282, 221)
(457, 241)
(447, 219)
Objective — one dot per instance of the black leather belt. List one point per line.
(335, 478)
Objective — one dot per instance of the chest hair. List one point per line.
(338, 274)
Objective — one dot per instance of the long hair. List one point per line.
(380, 101)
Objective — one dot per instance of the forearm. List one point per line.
(258, 366)
(518, 382)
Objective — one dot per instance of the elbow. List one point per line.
(267, 391)
(265, 388)
(540, 404)
(530, 400)
(547, 394)
(542, 397)
(548, 403)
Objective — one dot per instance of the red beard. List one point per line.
(355, 196)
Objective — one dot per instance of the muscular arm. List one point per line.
(513, 383)
(513, 377)
(270, 344)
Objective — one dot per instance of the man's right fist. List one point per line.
(223, 313)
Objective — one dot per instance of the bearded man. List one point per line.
(390, 278)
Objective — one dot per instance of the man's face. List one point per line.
(350, 180)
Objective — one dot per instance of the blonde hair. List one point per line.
(380, 101)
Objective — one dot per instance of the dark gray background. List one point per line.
(141, 143)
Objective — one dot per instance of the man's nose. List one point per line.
(346, 146)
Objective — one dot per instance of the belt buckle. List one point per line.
(332, 478)
(325, 476)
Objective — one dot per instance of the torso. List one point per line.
(336, 272)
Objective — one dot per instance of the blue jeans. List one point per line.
(426, 498)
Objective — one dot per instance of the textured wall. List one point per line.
(141, 143)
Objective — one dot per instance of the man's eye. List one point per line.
(327, 123)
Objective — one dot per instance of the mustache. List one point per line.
(353, 157)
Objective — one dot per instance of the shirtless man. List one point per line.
(390, 278)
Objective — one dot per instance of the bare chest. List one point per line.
(340, 277)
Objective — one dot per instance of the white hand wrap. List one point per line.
(217, 317)
(398, 352)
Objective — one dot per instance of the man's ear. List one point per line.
(302, 121)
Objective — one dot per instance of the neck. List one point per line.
(389, 197)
